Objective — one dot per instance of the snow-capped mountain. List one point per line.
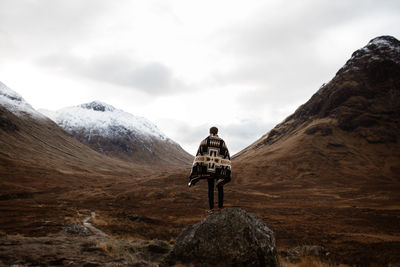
(29, 141)
(98, 118)
(13, 102)
(118, 133)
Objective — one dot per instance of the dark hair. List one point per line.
(213, 130)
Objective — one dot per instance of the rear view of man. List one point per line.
(212, 162)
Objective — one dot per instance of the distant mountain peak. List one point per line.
(385, 40)
(382, 48)
(98, 106)
(362, 99)
(102, 118)
(119, 134)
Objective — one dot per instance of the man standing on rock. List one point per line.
(212, 162)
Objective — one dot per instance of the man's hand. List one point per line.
(220, 182)
(193, 181)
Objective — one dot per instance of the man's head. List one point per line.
(213, 130)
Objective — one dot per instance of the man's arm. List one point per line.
(196, 169)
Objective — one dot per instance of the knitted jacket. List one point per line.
(212, 160)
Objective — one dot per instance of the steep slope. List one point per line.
(119, 134)
(34, 149)
(347, 133)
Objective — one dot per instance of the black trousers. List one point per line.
(211, 182)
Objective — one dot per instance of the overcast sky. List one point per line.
(186, 65)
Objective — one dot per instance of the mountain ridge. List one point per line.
(348, 132)
(380, 59)
(119, 134)
(103, 117)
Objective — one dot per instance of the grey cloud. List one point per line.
(274, 49)
(39, 26)
(284, 27)
(189, 136)
(47, 32)
(150, 77)
(242, 134)
(153, 77)
(271, 99)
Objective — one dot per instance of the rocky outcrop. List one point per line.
(231, 237)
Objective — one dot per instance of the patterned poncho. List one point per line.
(212, 160)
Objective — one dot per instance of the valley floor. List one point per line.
(352, 228)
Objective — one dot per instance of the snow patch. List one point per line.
(103, 119)
(384, 42)
(379, 48)
(13, 102)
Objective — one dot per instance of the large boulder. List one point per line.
(231, 237)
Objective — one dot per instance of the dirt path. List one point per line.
(91, 228)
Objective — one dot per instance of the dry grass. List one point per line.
(76, 250)
(310, 262)
(133, 251)
(117, 248)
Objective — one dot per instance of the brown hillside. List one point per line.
(347, 133)
(130, 148)
(32, 150)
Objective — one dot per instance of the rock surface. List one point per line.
(295, 254)
(231, 237)
(75, 229)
